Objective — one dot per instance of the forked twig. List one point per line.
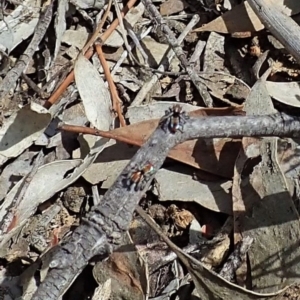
(112, 88)
(157, 18)
(102, 229)
(165, 62)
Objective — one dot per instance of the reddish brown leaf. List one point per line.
(216, 156)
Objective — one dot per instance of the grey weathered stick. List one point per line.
(278, 124)
(13, 75)
(104, 226)
(101, 230)
(179, 52)
(236, 258)
(284, 28)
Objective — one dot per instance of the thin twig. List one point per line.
(56, 95)
(157, 18)
(112, 88)
(136, 41)
(123, 32)
(61, 74)
(125, 53)
(87, 52)
(31, 84)
(95, 35)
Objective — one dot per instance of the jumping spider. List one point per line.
(138, 177)
(174, 119)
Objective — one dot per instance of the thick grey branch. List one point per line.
(284, 28)
(104, 226)
(279, 124)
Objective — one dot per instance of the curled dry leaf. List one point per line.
(181, 218)
(126, 271)
(22, 129)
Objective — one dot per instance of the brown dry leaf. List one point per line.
(216, 255)
(126, 272)
(171, 7)
(242, 18)
(216, 156)
(182, 218)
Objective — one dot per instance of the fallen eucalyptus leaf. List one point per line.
(14, 30)
(21, 129)
(94, 94)
(38, 191)
(177, 183)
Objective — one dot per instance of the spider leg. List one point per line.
(165, 122)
